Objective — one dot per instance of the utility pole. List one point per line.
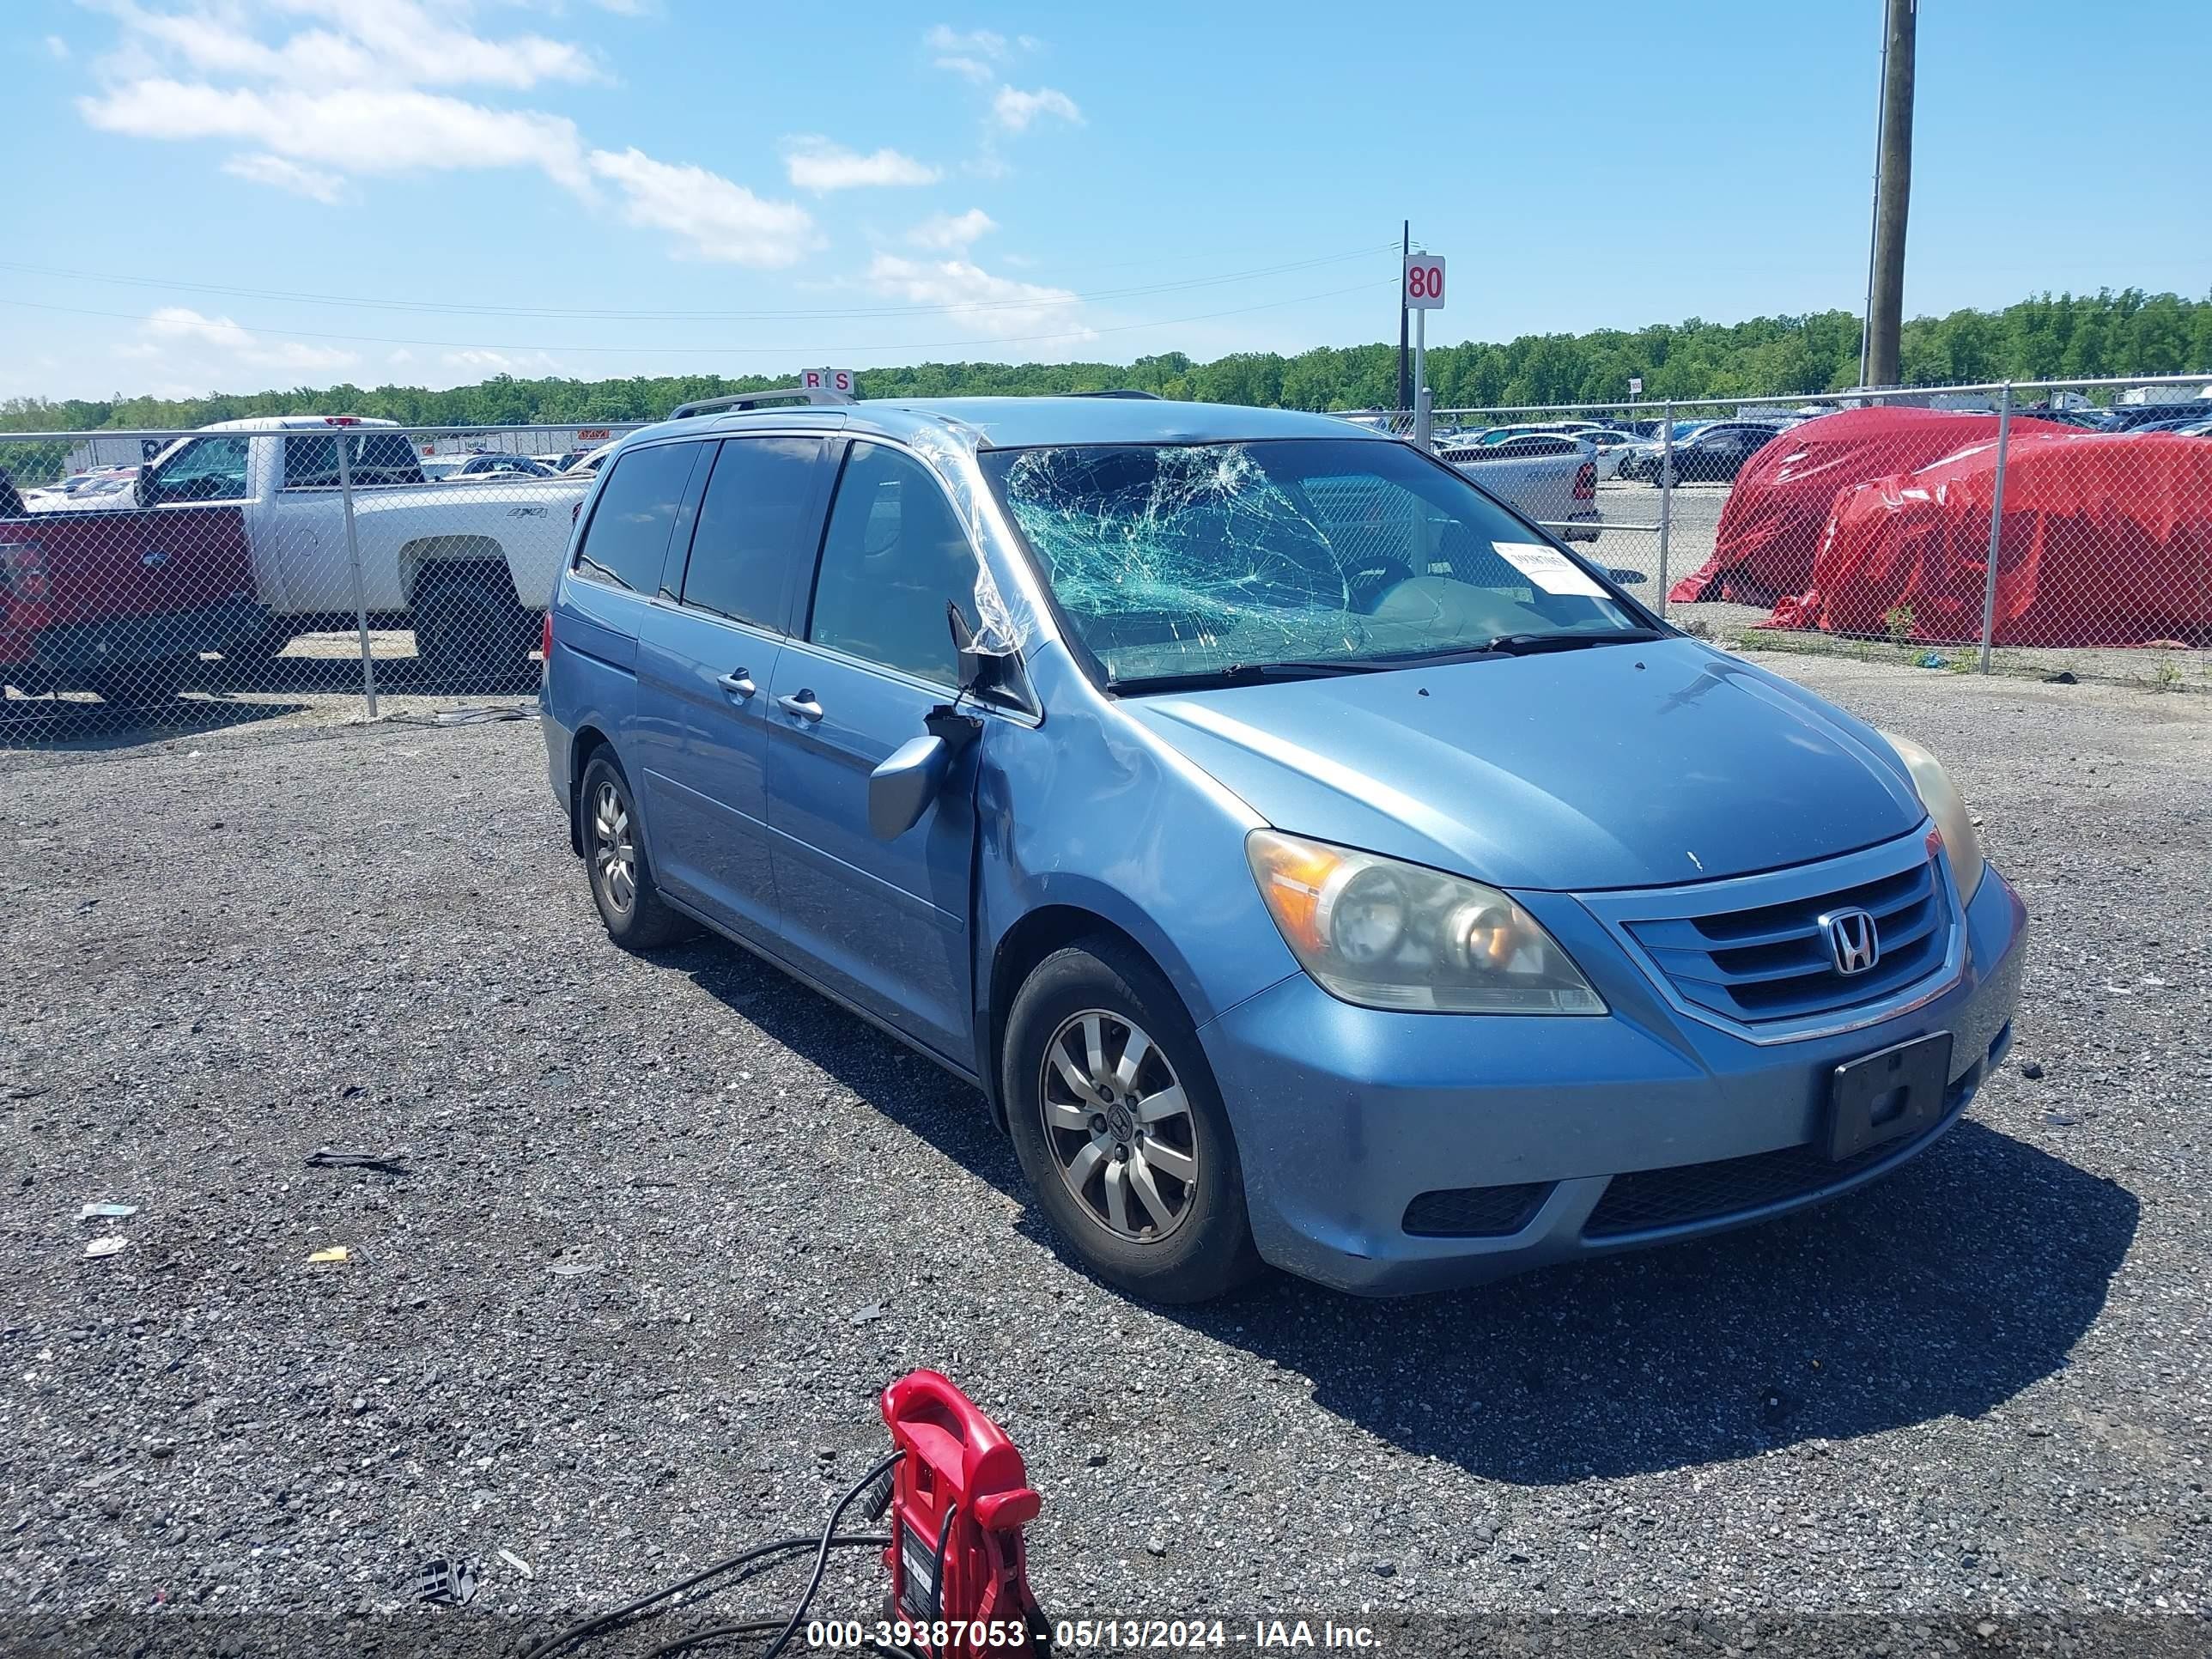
(1405, 371)
(1893, 197)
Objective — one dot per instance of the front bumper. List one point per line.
(1345, 1116)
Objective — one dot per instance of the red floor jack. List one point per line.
(959, 1500)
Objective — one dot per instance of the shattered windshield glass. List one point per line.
(1175, 562)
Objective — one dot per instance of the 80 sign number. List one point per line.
(1425, 281)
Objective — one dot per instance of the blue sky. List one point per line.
(222, 184)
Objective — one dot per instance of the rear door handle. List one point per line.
(737, 683)
(802, 705)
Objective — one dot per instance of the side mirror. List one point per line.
(981, 673)
(901, 788)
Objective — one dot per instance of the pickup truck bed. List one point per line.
(122, 603)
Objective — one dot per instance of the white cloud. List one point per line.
(814, 163)
(360, 129)
(56, 48)
(711, 218)
(996, 305)
(281, 175)
(971, 53)
(972, 43)
(389, 42)
(1015, 109)
(360, 93)
(174, 331)
(952, 230)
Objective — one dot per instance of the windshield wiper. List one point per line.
(1527, 645)
(1251, 673)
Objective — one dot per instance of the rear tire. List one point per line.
(1176, 1230)
(470, 632)
(138, 684)
(615, 863)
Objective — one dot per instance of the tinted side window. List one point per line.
(627, 536)
(895, 553)
(756, 526)
(310, 460)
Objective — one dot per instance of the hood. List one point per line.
(1617, 766)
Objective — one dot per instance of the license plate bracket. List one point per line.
(1894, 1092)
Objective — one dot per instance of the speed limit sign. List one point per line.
(1425, 281)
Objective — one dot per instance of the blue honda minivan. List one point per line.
(1311, 861)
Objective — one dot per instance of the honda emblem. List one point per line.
(1853, 945)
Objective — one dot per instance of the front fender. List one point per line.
(1090, 813)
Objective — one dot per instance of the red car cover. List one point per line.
(1771, 523)
(2107, 541)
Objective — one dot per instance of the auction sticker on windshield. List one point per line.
(1549, 569)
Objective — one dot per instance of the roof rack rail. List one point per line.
(1119, 392)
(819, 386)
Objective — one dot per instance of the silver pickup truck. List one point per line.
(1551, 478)
(469, 564)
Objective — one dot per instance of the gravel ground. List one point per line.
(665, 1227)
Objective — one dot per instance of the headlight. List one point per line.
(1385, 935)
(1949, 808)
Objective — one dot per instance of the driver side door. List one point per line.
(884, 924)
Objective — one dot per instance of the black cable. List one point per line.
(822, 1558)
(937, 1579)
(598, 1622)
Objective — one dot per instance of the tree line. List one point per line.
(2128, 332)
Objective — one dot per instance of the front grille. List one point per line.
(1730, 1185)
(1770, 963)
(1475, 1212)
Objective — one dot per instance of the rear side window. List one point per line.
(756, 522)
(894, 554)
(628, 536)
(310, 460)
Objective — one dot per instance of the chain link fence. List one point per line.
(2051, 527)
(301, 568)
(285, 569)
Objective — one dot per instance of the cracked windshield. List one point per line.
(1182, 563)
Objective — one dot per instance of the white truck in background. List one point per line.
(469, 566)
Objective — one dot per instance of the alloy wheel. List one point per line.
(1119, 1126)
(614, 852)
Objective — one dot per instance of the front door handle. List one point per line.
(802, 705)
(737, 683)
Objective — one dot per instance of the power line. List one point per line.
(690, 350)
(573, 313)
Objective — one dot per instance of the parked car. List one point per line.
(1713, 452)
(2129, 417)
(503, 466)
(587, 464)
(1612, 446)
(1289, 840)
(1559, 429)
(81, 490)
(1551, 478)
(2188, 426)
(469, 566)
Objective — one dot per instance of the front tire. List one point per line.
(1119, 1127)
(629, 905)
